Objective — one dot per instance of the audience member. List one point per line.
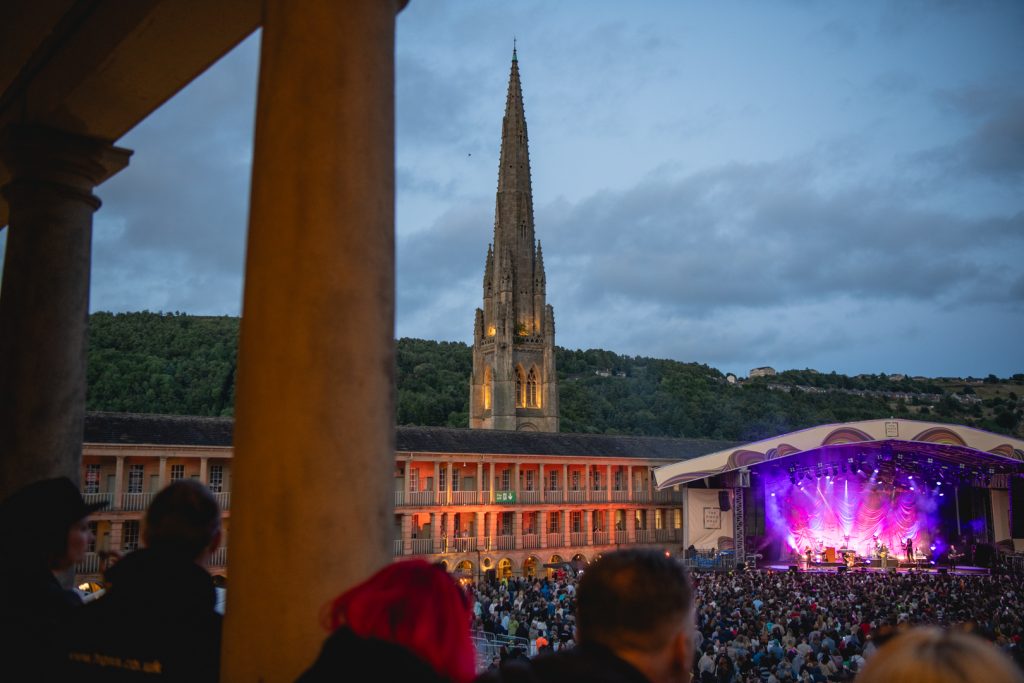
(408, 622)
(157, 619)
(634, 613)
(931, 655)
(45, 529)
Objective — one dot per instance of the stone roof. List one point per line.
(187, 430)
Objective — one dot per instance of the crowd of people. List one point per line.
(777, 626)
(634, 615)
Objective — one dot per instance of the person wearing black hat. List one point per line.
(44, 528)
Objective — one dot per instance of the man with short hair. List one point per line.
(635, 622)
(157, 621)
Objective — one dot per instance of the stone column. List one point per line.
(116, 532)
(517, 529)
(407, 534)
(435, 532)
(204, 470)
(480, 481)
(163, 471)
(448, 485)
(588, 525)
(493, 531)
(481, 532)
(437, 483)
(450, 531)
(586, 482)
(566, 528)
(118, 484)
(609, 483)
(631, 526)
(565, 484)
(629, 483)
(44, 299)
(542, 523)
(543, 484)
(515, 481)
(491, 484)
(315, 394)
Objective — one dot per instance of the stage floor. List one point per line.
(902, 568)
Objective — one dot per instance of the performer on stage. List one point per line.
(910, 549)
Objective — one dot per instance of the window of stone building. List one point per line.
(532, 390)
(577, 521)
(414, 479)
(530, 480)
(575, 479)
(597, 480)
(553, 523)
(130, 536)
(506, 480)
(455, 480)
(92, 479)
(553, 480)
(177, 472)
(677, 519)
(135, 474)
(216, 478)
(520, 388)
(487, 387)
(618, 480)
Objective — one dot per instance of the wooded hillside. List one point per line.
(182, 364)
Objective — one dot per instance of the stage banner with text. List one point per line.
(707, 522)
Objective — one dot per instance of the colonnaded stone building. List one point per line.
(514, 384)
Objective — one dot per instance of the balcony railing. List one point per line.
(601, 538)
(578, 538)
(505, 542)
(422, 546)
(397, 548)
(621, 536)
(641, 496)
(552, 496)
(663, 535)
(223, 499)
(93, 498)
(420, 498)
(577, 496)
(556, 539)
(599, 496)
(529, 496)
(464, 544)
(668, 496)
(465, 497)
(645, 536)
(620, 496)
(531, 540)
(219, 557)
(90, 564)
(135, 501)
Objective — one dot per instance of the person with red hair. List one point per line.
(410, 619)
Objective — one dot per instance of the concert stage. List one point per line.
(903, 568)
(858, 492)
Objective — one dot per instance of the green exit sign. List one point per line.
(504, 496)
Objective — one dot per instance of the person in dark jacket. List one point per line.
(634, 624)
(45, 531)
(157, 621)
(411, 620)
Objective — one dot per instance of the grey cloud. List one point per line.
(745, 236)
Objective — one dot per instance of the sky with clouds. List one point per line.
(799, 183)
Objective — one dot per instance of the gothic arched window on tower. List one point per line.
(520, 388)
(533, 389)
(487, 387)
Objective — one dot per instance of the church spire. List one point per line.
(514, 383)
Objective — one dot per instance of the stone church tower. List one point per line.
(514, 385)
